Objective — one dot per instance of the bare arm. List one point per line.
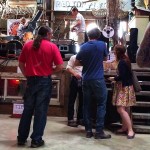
(77, 63)
(22, 67)
(71, 71)
(105, 59)
(78, 23)
(57, 68)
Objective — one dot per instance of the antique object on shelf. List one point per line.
(6, 38)
(10, 49)
(66, 46)
(100, 13)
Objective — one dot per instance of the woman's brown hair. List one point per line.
(42, 34)
(120, 52)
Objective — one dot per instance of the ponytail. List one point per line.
(42, 34)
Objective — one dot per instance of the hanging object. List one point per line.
(108, 32)
(100, 13)
(13, 9)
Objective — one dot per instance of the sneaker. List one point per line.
(102, 135)
(72, 123)
(35, 144)
(89, 134)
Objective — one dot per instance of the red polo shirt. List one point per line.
(40, 62)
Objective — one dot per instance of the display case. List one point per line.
(9, 71)
(14, 88)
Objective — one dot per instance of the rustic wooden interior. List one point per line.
(57, 19)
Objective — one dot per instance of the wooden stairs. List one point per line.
(141, 112)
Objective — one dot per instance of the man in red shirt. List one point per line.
(38, 60)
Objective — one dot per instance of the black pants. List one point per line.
(75, 89)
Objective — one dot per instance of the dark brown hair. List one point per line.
(120, 52)
(42, 34)
(94, 33)
(74, 9)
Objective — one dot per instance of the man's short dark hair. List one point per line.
(94, 33)
(74, 9)
(43, 30)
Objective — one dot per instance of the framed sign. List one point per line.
(84, 5)
(12, 26)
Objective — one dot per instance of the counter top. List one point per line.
(14, 63)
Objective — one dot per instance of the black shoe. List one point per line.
(72, 123)
(102, 135)
(131, 136)
(89, 134)
(35, 144)
(80, 122)
(21, 143)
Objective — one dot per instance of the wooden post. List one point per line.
(113, 12)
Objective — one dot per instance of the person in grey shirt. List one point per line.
(21, 29)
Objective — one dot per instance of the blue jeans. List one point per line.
(36, 101)
(94, 89)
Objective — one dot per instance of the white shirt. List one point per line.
(77, 69)
(81, 28)
(20, 30)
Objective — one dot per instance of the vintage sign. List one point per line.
(83, 5)
(18, 108)
(12, 26)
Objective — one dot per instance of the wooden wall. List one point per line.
(6, 107)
